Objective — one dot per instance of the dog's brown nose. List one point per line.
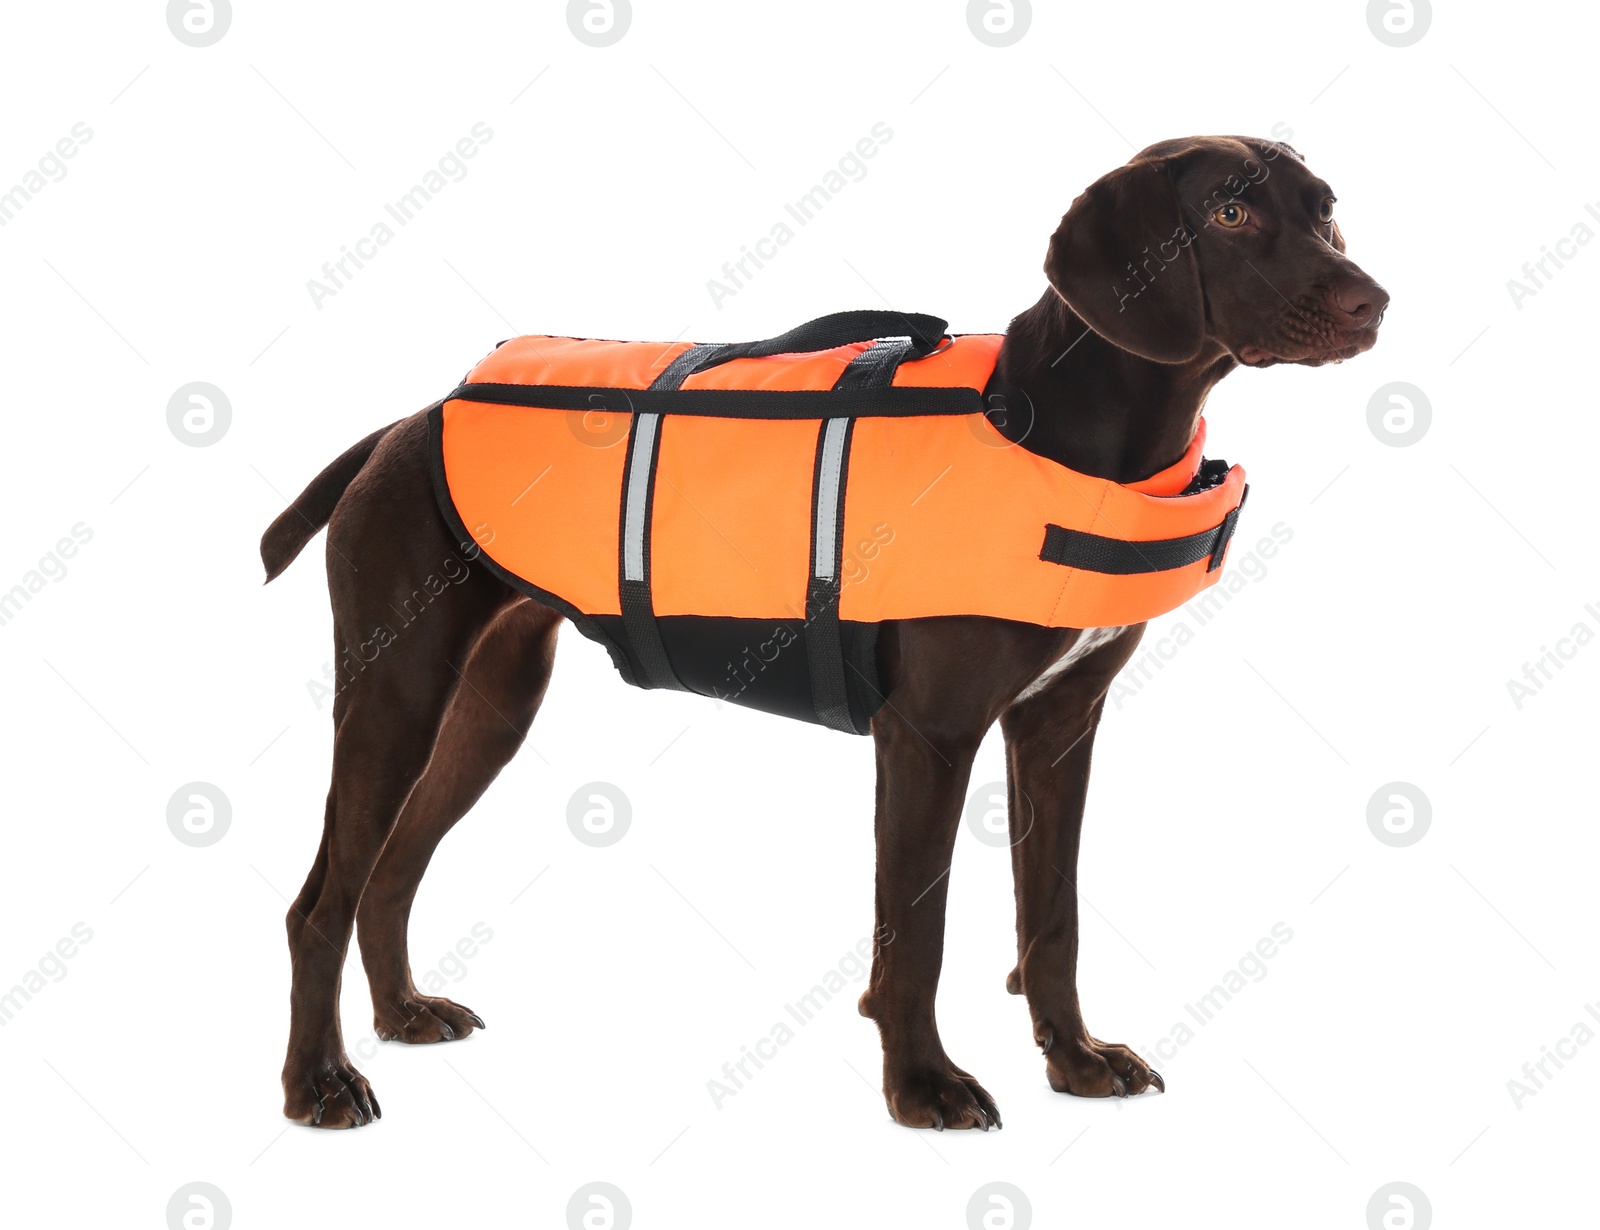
(1360, 300)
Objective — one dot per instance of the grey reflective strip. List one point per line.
(825, 548)
(644, 447)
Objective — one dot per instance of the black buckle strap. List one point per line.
(1121, 557)
(1225, 533)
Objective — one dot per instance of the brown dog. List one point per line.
(1196, 257)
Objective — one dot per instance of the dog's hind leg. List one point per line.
(1049, 742)
(407, 605)
(501, 687)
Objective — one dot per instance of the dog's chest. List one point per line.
(1091, 640)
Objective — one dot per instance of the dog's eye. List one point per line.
(1325, 210)
(1231, 216)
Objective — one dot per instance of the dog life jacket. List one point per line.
(738, 519)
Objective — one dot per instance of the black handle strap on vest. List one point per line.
(1121, 557)
(823, 333)
(874, 367)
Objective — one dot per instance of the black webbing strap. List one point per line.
(919, 333)
(830, 695)
(638, 512)
(1120, 557)
(840, 329)
(633, 587)
(875, 366)
(825, 656)
(893, 401)
(686, 365)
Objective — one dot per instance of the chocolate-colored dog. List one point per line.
(1196, 257)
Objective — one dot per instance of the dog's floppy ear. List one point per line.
(1123, 260)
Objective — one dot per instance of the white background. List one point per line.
(1230, 793)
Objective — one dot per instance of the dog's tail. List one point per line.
(298, 524)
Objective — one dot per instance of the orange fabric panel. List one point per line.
(943, 516)
(732, 525)
(968, 360)
(818, 370)
(1105, 600)
(574, 360)
(930, 517)
(633, 365)
(541, 495)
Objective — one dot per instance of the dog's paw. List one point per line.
(424, 1018)
(941, 1099)
(329, 1094)
(1089, 1068)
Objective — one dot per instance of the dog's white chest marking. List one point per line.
(1086, 644)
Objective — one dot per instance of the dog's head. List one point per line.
(1224, 239)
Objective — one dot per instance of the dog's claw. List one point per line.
(331, 1085)
(1119, 1085)
(449, 1034)
(938, 1120)
(357, 1103)
(1155, 1079)
(1049, 1041)
(990, 1113)
(477, 1020)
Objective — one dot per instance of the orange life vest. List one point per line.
(737, 520)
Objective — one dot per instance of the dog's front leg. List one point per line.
(1049, 742)
(922, 776)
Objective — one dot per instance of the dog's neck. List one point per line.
(1096, 408)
